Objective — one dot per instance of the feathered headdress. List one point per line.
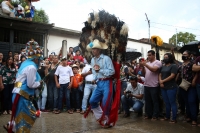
(33, 49)
(108, 29)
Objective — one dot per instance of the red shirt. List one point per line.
(80, 58)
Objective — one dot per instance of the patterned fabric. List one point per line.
(188, 74)
(8, 75)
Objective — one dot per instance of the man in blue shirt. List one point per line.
(102, 70)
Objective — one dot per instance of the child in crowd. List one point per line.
(19, 11)
(77, 81)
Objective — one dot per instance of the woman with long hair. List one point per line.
(189, 95)
(167, 80)
(7, 80)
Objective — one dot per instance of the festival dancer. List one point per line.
(24, 113)
(102, 70)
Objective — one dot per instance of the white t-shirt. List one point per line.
(20, 8)
(85, 70)
(64, 74)
(136, 91)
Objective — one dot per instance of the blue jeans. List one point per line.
(63, 89)
(87, 90)
(151, 95)
(198, 91)
(169, 97)
(76, 97)
(130, 102)
(43, 99)
(101, 93)
(52, 95)
(190, 98)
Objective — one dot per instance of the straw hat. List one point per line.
(74, 66)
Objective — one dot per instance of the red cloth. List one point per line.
(14, 108)
(117, 67)
(79, 58)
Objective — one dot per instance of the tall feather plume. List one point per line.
(106, 28)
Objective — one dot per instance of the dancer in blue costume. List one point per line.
(27, 80)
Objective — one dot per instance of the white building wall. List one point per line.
(54, 43)
(140, 47)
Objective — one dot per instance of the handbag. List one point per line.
(184, 83)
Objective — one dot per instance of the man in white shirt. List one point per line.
(19, 11)
(133, 97)
(89, 85)
(64, 84)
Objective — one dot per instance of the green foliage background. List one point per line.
(40, 14)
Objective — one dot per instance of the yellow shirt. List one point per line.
(27, 9)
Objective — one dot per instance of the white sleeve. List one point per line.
(143, 79)
(84, 70)
(128, 87)
(141, 89)
(31, 77)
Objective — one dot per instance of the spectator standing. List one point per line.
(133, 97)
(10, 54)
(51, 86)
(78, 57)
(89, 85)
(189, 96)
(169, 87)
(64, 84)
(71, 51)
(77, 81)
(7, 80)
(6, 8)
(43, 70)
(151, 85)
(22, 59)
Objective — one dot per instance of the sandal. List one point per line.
(107, 126)
(194, 124)
(82, 112)
(146, 118)
(154, 119)
(173, 121)
(70, 111)
(78, 111)
(57, 111)
(164, 119)
(10, 112)
(5, 113)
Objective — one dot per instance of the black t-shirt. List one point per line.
(51, 77)
(41, 72)
(166, 72)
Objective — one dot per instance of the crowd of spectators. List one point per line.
(148, 86)
(18, 10)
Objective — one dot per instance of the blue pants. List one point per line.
(101, 93)
(130, 102)
(169, 97)
(190, 98)
(198, 91)
(63, 89)
(52, 95)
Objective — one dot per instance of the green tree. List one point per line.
(182, 37)
(40, 15)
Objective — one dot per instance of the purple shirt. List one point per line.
(151, 78)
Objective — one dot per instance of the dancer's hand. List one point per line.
(58, 85)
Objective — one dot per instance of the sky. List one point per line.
(166, 16)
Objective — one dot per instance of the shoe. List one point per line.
(164, 119)
(82, 112)
(44, 110)
(70, 111)
(78, 111)
(126, 115)
(154, 119)
(57, 112)
(173, 121)
(131, 109)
